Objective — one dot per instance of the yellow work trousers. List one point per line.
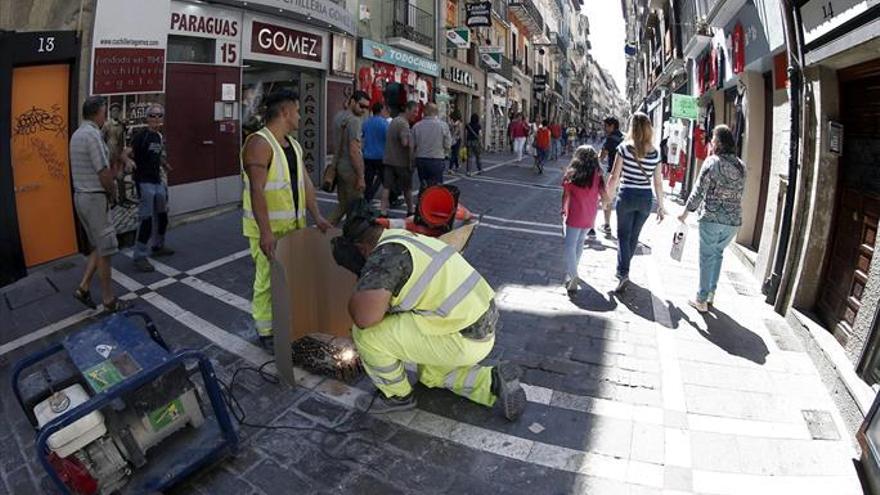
(261, 305)
(448, 361)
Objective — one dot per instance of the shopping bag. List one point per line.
(462, 154)
(678, 239)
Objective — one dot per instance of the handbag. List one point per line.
(328, 179)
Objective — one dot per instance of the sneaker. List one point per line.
(606, 229)
(506, 386)
(700, 306)
(710, 300)
(591, 235)
(572, 286)
(161, 251)
(379, 404)
(621, 286)
(144, 265)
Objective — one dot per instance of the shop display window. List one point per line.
(260, 79)
(190, 49)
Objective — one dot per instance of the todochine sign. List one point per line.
(286, 44)
(128, 54)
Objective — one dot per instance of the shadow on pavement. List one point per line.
(589, 299)
(640, 301)
(727, 334)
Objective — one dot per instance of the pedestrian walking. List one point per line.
(398, 157)
(473, 136)
(347, 134)
(277, 192)
(148, 148)
(582, 187)
(718, 198)
(432, 143)
(543, 142)
(93, 185)
(556, 135)
(571, 135)
(636, 170)
(375, 131)
(519, 133)
(456, 128)
(613, 138)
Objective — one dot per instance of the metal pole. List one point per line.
(790, 21)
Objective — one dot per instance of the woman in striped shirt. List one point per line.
(636, 170)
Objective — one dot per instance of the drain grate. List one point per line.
(820, 424)
(783, 336)
(29, 291)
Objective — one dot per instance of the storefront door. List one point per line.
(858, 201)
(40, 165)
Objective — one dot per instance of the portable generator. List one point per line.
(116, 411)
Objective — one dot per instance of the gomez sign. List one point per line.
(279, 41)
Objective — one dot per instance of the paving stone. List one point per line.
(648, 443)
(367, 484)
(246, 458)
(715, 452)
(270, 477)
(221, 482)
(322, 467)
(20, 481)
(10, 454)
(323, 411)
(678, 478)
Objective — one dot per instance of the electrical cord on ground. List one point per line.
(238, 412)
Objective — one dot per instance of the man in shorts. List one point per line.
(398, 157)
(93, 185)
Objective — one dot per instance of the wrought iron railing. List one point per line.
(412, 23)
(689, 12)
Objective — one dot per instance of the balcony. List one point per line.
(528, 14)
(720, 12)
(411, 28)
(505, 71)
(694, 37)
(499, 7)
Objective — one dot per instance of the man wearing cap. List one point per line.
(277, 193)
(417, 300)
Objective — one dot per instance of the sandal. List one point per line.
(116, 305)
(84, 297)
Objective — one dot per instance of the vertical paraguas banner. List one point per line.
(128, 54)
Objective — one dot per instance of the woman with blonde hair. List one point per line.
(636, 170)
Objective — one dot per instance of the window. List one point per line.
(513, 44)
(191, 50)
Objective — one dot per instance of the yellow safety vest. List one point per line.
(444, 288)
(283, 217)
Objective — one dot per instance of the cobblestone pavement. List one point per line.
(636, 394)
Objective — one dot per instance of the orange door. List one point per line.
(40, 165)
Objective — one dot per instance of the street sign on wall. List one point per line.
(460, 37)
(540, 83)
(685, 107)
(479, 14)
(491, 56)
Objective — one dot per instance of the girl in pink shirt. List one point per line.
(582, 187)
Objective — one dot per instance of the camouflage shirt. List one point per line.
(390, 266)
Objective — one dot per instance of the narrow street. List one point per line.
(631, 394)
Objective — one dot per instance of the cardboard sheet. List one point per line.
(310, 292)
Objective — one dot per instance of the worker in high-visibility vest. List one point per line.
(277, 192)
(418, 301)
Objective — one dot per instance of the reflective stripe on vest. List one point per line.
(284, 215)
(438, 260)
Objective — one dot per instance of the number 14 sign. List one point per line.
(820, 16)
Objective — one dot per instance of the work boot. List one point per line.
(379, 404)
(267, 342)
(144, 265)
(506, 386)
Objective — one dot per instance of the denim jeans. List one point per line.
(153, 204)
(453, 156)
(574, 247)
(633, 209)
(714, 237)
(430, 171)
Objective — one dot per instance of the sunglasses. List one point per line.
(155, 115)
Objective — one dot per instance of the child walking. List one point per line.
(582, 188)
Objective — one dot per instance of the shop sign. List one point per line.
(539, 83)
(685, 107)
(460, 76)
(460, 37)
(384, 53)
(324, 11)
(479, 14)
(491, 56)
(128, 54)
(203, 21)
(310, 96)
(285, 44)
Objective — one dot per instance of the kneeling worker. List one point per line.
(418, 301)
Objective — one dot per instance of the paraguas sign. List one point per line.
(685, 107)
